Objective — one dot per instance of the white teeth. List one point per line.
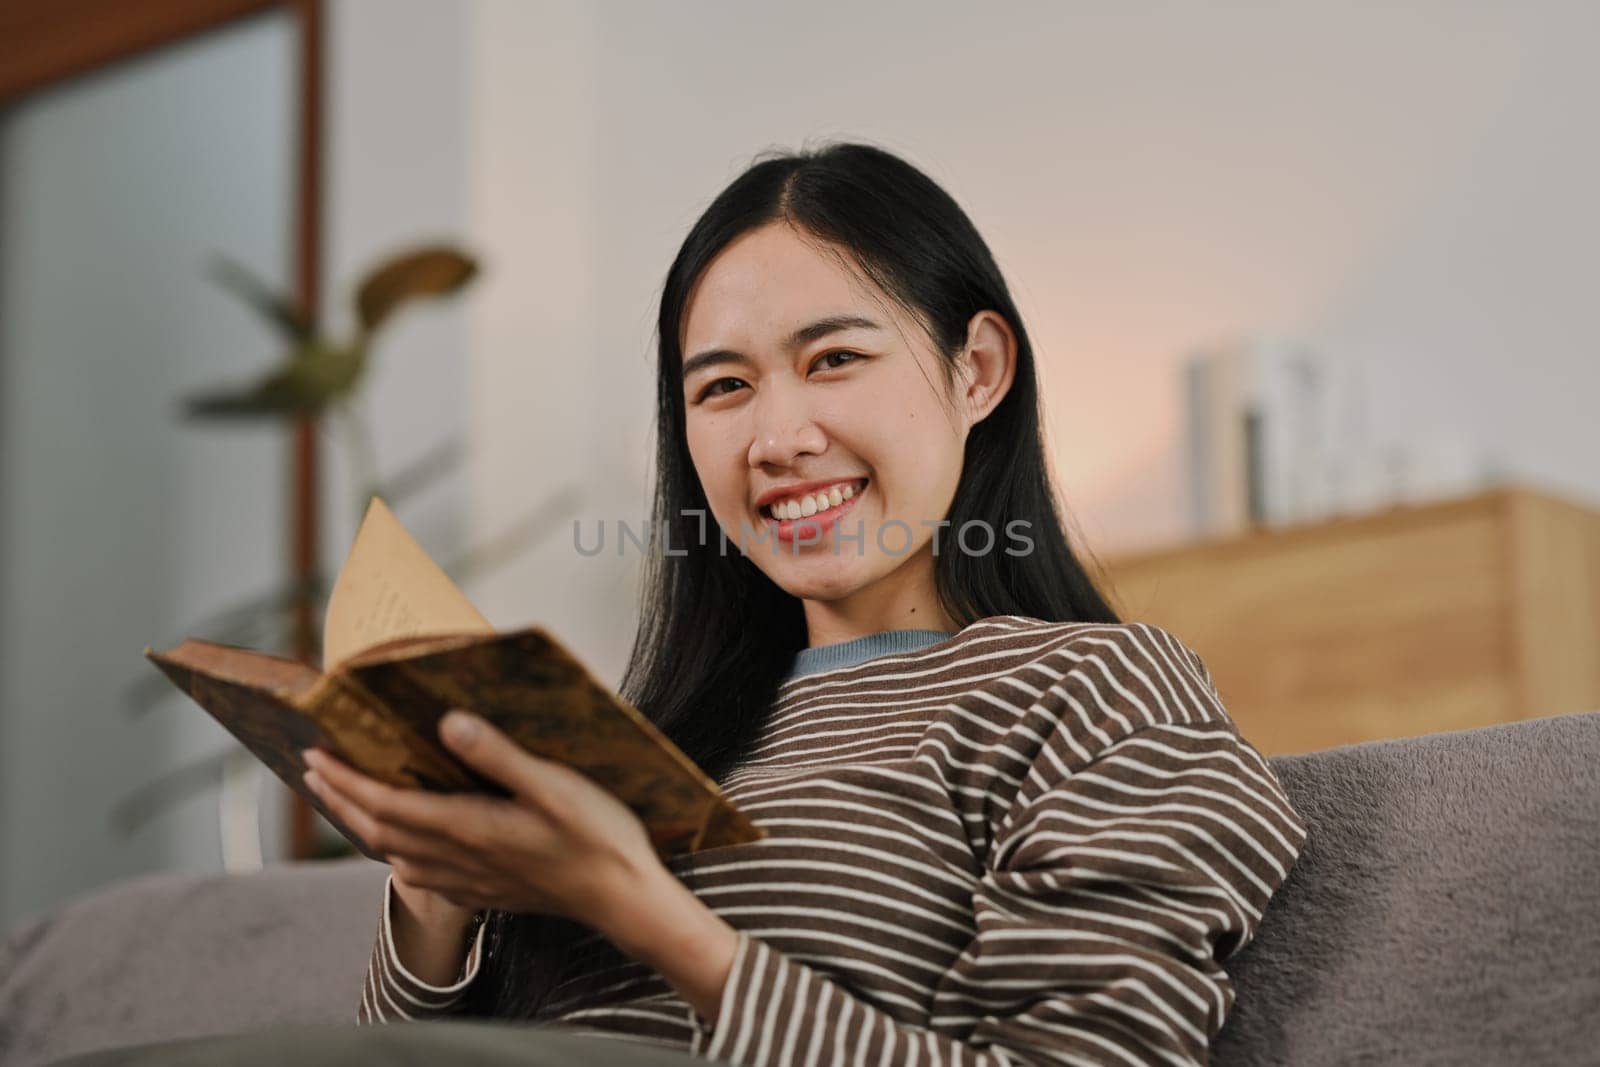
(812, 503)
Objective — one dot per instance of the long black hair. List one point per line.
(716, 636)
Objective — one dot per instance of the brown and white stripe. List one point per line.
(1030, 843)
(392, 993)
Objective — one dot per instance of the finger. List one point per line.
(491, 751)
(381, 836)
(414, 809)
(449, 882)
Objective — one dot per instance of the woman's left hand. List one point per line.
(560, 845)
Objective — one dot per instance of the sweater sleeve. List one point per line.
(391, 993)
(1120, 873)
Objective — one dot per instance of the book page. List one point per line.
(389, 588)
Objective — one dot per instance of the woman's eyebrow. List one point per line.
(801, 337)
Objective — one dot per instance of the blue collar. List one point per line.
(860, 649)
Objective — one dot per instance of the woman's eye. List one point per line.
(712, 390)
(830, 355)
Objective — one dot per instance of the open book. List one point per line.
(402, 645)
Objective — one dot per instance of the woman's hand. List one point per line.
(560, 845)
(430, 907)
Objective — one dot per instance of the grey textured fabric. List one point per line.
(168, 957)
(1446, 909)
(474, 1044)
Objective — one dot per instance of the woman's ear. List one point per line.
(987, 364)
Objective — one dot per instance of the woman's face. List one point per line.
(803, 383)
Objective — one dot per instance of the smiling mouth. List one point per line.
(816, 499)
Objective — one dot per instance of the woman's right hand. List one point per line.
(429, 930)
(430, 933)
(431, 908)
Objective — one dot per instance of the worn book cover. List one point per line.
(402, 645)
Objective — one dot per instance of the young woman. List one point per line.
(1002, 825)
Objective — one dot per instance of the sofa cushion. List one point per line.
(422, 1044)
(1446, 908)
(171, 956)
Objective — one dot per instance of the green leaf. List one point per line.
(423, 272)
(281, 395)
(279, 310)
(305, 383)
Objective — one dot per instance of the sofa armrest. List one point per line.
(175, 956)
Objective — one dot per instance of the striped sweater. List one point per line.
(1028, 843)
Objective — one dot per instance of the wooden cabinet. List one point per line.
(1419, 619)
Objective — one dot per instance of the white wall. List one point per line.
(551, 396)
(474, 123)
(396, 174)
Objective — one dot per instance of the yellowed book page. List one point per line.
(389, 588)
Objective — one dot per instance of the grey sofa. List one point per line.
(1446, 910)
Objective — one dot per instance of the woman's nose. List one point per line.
(784, 429)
